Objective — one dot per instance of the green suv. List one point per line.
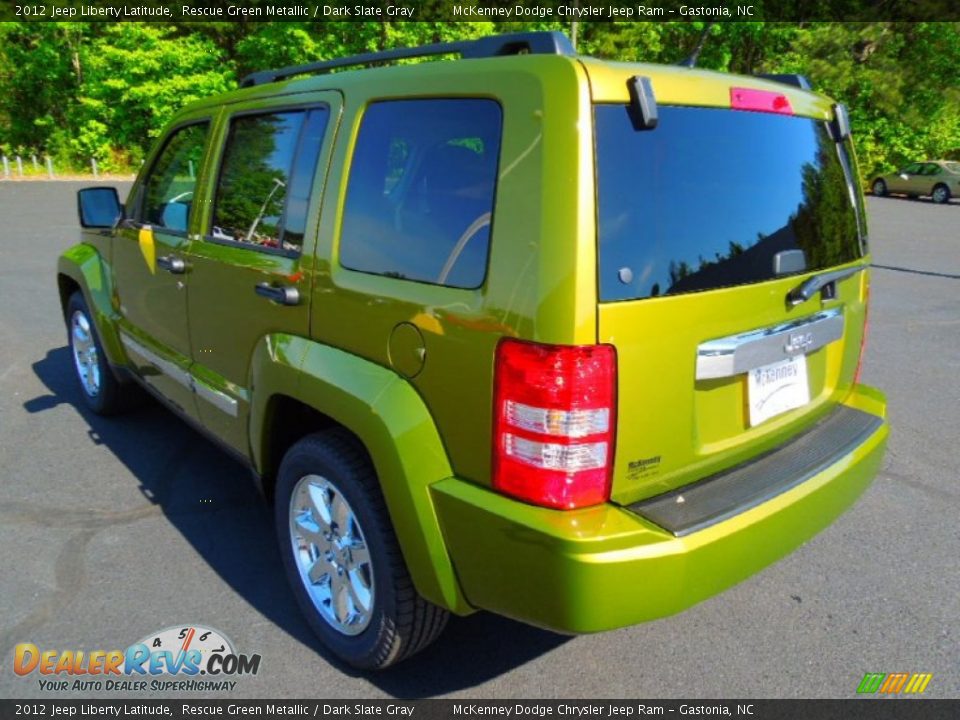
(573, 341)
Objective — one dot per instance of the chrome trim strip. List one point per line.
(221, 401)
(168, 368)
(736, 354)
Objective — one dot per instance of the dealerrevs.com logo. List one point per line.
(178, 658)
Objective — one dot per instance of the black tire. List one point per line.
(400, 622)
(940, 194)
(105, 394)
(879, 188)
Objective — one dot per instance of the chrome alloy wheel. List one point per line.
(85, 353)
(940, 194)
(331, 555)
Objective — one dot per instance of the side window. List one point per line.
(266, 177)
(168, 189)
(931, 169)
(421, 190)
(911, 169)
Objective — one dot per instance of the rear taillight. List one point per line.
(760, 101)
(554, 417)
(866, 327)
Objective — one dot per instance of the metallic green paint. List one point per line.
(541, 280)
(429, 437)
(84, 265)
(388, 416)
(698, 427)
(603, 567)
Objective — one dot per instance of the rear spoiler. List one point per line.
(799, 81)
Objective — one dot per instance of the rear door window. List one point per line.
(421, 191)
(713, 198)
(265, 179)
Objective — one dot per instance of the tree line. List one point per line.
(82, 90)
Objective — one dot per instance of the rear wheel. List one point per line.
(342, 558)
(101, 390)
(879, 188)
(941, 194)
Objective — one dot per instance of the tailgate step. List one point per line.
(733, 491)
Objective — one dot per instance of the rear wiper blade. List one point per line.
(809, 287)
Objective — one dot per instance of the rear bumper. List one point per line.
(607, 567)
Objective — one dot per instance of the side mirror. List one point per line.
(99, 207)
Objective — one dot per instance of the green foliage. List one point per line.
(104, 90)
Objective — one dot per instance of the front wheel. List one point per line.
(101, 390)
(879, 188)
(342, 558)
(941, 194)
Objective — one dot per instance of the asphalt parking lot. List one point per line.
(113, 529)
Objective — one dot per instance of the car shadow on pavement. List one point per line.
(210, 499)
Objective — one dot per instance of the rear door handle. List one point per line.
(279, 295)
(172, 264)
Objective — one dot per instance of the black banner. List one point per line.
(855, 709)
(480, 10)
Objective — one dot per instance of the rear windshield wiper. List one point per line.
(806, 290)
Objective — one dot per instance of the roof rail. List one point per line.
(534, 43)
(799, 81)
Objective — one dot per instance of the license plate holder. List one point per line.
(777, 388)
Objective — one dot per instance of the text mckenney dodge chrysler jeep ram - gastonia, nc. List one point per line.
(573, 341)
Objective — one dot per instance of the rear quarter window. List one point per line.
(420, 194)
(710, 197)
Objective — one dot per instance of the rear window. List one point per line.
(712, 198)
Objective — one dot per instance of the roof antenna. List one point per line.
(691, 61)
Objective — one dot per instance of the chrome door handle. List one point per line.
(279, 295)
(172, 264)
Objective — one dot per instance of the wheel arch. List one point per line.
(322, 387)
(80, 268)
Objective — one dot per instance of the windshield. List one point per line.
(712, 198)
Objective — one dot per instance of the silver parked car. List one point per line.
(940, 179)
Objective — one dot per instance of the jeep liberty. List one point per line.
(573, 341)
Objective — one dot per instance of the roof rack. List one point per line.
(534, 43)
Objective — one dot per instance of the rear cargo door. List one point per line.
(707, 227)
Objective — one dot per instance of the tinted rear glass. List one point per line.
(710, 197)
(420, 198)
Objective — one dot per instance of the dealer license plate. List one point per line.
(774, 389)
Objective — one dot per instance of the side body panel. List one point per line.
(389, 417)
(540, 280)
(227, 318)
(153, 300)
